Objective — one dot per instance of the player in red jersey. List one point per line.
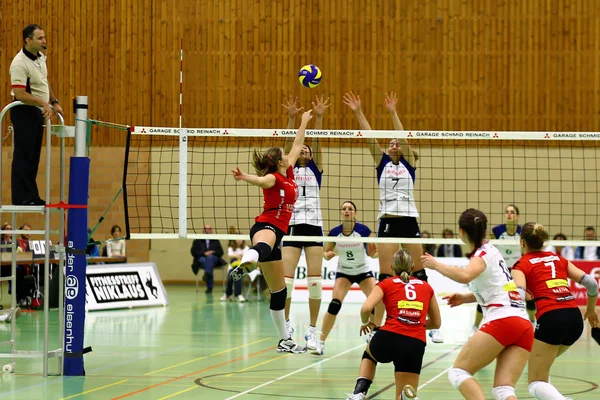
(401, 340)
(559, 322)
(275, 175)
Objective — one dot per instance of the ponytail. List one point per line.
(474, 223)
(404, 276)
(402, 265)
(267, 162)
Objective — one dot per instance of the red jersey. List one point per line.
(547, 275)
(406, 305)
(279, 201)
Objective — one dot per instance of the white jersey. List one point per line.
(307, 209)
(495, 288)
(512, 252)
(352, 256)
(396, 187)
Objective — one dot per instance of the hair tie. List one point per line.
(476, 218)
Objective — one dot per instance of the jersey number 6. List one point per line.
(410, 292)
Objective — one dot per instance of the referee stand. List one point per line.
(60, 131)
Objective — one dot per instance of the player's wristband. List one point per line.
(364, 323)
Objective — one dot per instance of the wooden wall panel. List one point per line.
(487, 65)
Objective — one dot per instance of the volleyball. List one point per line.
(310, 76)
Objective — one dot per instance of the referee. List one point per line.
(29, 80)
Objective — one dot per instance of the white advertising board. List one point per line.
(112, 286)
(441, 285)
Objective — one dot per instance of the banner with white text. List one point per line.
(124, 286)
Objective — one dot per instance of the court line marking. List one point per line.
(193, 373)
(294, 372)
(173, 366)
(434, 378)
(60, 378)
(180, 392)
(444, 355)
(259, 364)
(136, 359)
(93, 390)
(204, 357)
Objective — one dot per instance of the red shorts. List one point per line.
(511, 331)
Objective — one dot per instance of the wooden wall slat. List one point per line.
(455, 65)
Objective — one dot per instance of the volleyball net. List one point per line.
(178, 180)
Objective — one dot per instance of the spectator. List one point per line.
(6, 238)
(236, 250)
(449, 250)
(207, 255)
(427, 248)
(92, 248)
(115, 247)
(590, 253)
(23, 241)
(564, 251)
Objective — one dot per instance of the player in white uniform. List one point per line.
(506, 334)
(306, 221)
(511, 232)
(353, 266)
(397, 208)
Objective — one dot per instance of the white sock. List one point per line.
(544, 391)
(278, 317)
(250, 256)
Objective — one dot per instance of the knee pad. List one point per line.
(334, 307)
(530, 304)
(383, 277)
(368, 357)
(278, 300)
(263, 249)
(457, 376)
(503, 392)
(289, 284)
(315, 287)
(535, 385)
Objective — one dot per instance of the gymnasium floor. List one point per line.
(201, 348)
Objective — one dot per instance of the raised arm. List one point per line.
(319, 107)
(390, 103)
(294, 153)
(353, 102)
(291, 105)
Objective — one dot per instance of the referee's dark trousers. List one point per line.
(28, 126)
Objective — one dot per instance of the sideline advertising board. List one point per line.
(124, 286)
(441, 285)
(592, 268)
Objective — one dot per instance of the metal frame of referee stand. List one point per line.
(60, 131)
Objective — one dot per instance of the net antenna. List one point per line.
(183, 150)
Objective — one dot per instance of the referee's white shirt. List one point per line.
(29, 71)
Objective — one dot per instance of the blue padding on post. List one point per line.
(75, 274)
